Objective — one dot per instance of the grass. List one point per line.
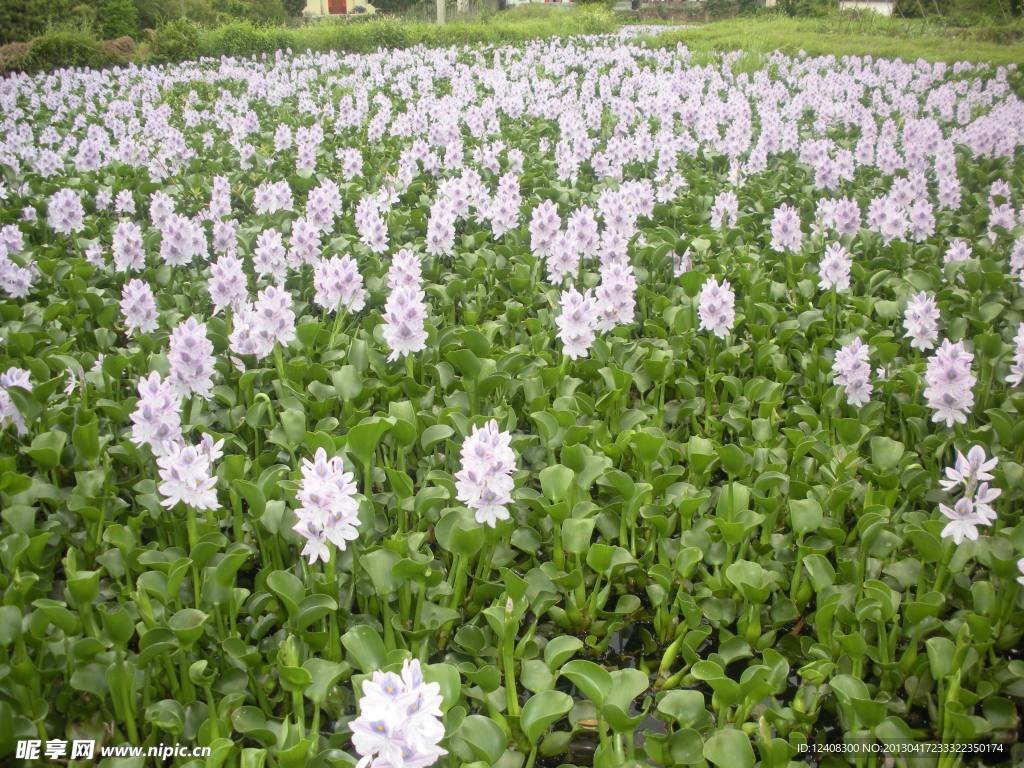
(242, 38)
(369, 35)
(855, 34)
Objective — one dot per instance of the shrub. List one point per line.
(243, 38)
(176, 41)
(65, 48)
(12, 54)
(118, 18)
(120, 49)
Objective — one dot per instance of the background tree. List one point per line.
(118, 18)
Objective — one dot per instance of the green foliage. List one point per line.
(393, 6)
(65, 48)
(254, 30)
(712, 559)
(118, 18)
(807, 8)
(243, 38)
(82, 18)
(853, 34)
(21, 20)
(176, 41)
(294, 7)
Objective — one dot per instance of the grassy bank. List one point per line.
(182, 40)
(850, 34)
(243, 39)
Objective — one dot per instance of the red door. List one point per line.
(335, 7)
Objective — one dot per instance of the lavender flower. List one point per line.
(974, 509)
(921, 321)
(441, 228)
(949, 382)
(191, 359)
(725, 210)
(716, 307)
(786, 234)
(852, 371)
(161, 207)
(186, 474)
(227, 286)
(681, 263)
(138, 305)
(182, 240)
(329, 511)
(247, 337)
(373, 231)
(64, 212)
(338, 284)
(484, 483)
(835, 268)
(577, 322)
(968, 471)
(545, 224)
(399, 721)
(958, 250)
(127, 248)
(275, 318)
(272, 196)
(225, 237)
(563, 258)
(616, 295)
(963, 521)
(156, 420)
(405, 313)
(268, 259)
(305, 243)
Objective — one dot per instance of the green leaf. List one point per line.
(363, 438)
(729, 748)
(806, 515)
(686, 707)
(433, 435)
(288, 589)
(556, 482)
(324, 674)
(46, 449)
(459, 532)
(366, 648)
(187, 625)
(576, 534)
(560, 649)
(886, 453)
(941, 655)
(595, 682)
(541, 711)
(380, 565)
(484, 737)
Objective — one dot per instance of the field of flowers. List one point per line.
(575, 403)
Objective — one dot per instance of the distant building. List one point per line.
(337, 7)
(883, 7)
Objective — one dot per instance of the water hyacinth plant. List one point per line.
(571, 403)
